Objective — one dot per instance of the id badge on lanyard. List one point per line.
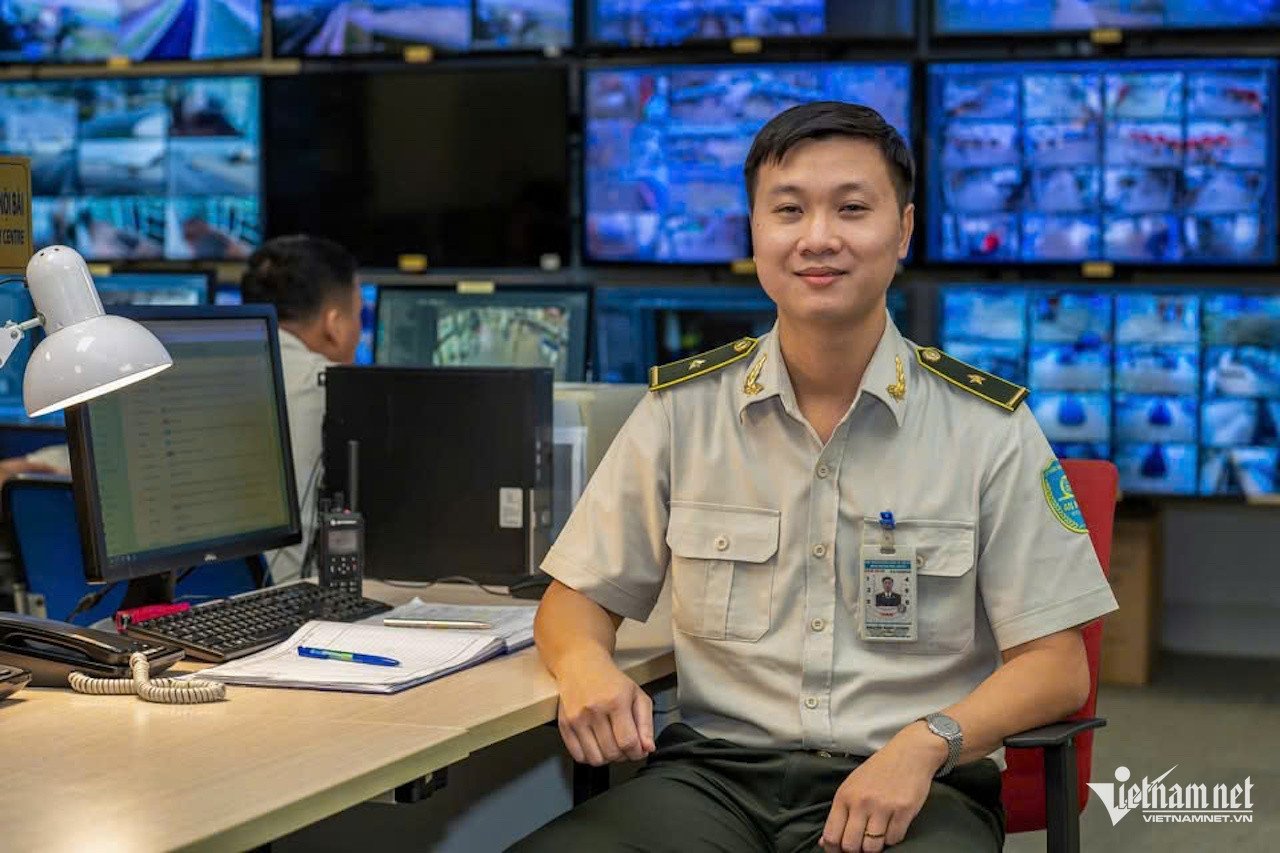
(887, 582)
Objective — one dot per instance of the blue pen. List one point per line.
(350, 657)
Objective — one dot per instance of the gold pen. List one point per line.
(397, 622)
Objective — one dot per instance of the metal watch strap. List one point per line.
(955, 743)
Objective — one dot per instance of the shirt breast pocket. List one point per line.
(946, 583)
(723, 560)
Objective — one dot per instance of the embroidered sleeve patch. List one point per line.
(1061, 499)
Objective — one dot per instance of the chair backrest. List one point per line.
(42, 514)
(1095, 484)
(50, 559)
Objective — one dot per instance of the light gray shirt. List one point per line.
(304, 395)
(721, 482)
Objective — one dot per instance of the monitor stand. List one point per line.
(162, 588)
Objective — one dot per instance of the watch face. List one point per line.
(946, 726)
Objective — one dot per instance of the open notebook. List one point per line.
(424, 655)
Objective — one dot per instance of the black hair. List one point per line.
(823, 120)
(298, 275)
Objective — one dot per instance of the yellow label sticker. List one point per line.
(1098, 269)
(744, 266)
(15, 214)
(419, 53)
(476, 288)
(746, 44)
(412, 263)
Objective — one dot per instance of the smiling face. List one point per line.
(828, 231)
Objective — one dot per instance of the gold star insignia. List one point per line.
(932, 354)
(898, 390)
(696, 363)
(975, 379)
(750, 385)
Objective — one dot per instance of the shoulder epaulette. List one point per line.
(665, 375)
(977, 382)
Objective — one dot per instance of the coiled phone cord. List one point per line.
(167, 691)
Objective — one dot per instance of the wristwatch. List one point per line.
(949, 730)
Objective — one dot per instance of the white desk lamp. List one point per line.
(86, 353)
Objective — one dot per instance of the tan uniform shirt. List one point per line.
(722, 482)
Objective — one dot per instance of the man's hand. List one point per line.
(604, 716)
(876, 804)
(22, 465)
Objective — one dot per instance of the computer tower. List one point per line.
(454, 471)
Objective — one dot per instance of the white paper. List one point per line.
(423, 655)
(513, 624)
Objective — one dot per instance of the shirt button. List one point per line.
(817, 624)
(722, 542)
(819, 550)
(823, 472)
(811, 703)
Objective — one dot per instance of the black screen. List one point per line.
(468, 168)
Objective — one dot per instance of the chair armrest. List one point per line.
(1054, 734)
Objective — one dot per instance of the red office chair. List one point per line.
(1044, 785)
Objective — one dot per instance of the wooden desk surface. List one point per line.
(113, 772)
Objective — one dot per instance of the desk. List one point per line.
(113, 772)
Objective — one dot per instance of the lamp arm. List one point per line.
(11, 335)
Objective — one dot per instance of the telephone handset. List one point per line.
(53, 650)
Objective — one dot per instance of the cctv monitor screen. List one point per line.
(1150, 162)
(1241, 381)
(141, 30)
(385, 163)
(141, 168)
(665, 147)
(645, 23)
(342, 28)
(512, 327)
(994, 17)
(193, 461)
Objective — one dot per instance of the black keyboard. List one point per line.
(230, 628)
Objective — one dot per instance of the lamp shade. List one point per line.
(87, 353)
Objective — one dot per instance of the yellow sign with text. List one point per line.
(15, 214)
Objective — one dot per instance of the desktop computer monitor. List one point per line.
(154, 288)
(195, 465)
(517, 326)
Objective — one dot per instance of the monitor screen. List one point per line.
(338, 28)
(193, 462)
(141, 31)
(140, 168)
(992, 17)
(665, 147)
(1241, 380)
(351, 156)
(643, 23)
(1180, 389)
(1132, 161)
(153, 288)
(512, 327)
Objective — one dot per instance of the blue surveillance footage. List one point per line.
(350, 28)
(970, 17)
(141, 30)
(665, 148)
(1181, 390)
(145, 168)
(670, 22)
(1133, 161)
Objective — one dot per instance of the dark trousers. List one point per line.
(700, 794)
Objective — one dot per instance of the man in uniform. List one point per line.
(767, 478)
(887, 597)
